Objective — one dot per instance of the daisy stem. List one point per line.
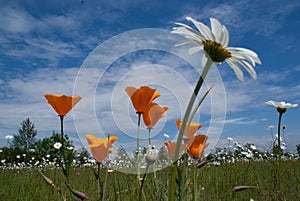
(184, 121)
(279, 157)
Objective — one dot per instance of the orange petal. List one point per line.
(112, 139)
(195, 150)
(192, 128)
(62, 104)
(171, 146)
(153, 114)
(99, 152)
(91, 139)
(141, 97)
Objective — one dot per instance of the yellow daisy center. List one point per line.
(216, 51)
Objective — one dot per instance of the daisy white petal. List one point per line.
(281, 105)
(238, 72)
(183, 42)
(248, 53)
(215, 42)
(189, 33)
(204, 30)
(216, 28)
(247, 66)
(195, 49)
(225, 40)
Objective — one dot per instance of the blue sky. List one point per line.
(91, 49)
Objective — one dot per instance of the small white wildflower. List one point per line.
(8, 137)
(57, 145)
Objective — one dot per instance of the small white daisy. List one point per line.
(57, 145)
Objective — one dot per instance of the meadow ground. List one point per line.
(213, 183)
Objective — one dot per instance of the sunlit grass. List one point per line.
(215, 183)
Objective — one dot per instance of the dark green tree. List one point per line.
(298, 148)
(26, 137)
(82, 155)
(45, 148)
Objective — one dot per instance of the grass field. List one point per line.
(213, 182)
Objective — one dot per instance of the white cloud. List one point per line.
(262, 18)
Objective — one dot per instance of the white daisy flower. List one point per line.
(281, 106)
(214, 42)
(70, 148)
(57, 145)
(8, 137)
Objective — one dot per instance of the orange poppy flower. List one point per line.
(100, 146)
(141, 97)
(195, 150)
(171, 146)
(152, 114)
(62, 104)
(192, 128)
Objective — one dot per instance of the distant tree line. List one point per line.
(25, 147)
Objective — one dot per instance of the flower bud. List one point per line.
(47, 179)
(151, 155)
(241, 188)
(78, 194)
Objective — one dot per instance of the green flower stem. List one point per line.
(138, 145)
(190, 106)
(183, 174)
(194, 197)
(62, 149)
(173, 181)
(278, 137)
(149, 139)
(198, 105)
(99, 182)
(106, 173)
(183, 125)
(279, 157)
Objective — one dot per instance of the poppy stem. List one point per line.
(62, 150)
(149, 139)
(138, 146)
(106, 173)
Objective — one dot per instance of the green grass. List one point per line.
(214, 183)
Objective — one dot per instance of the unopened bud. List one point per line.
(76, 193)
(47, 179)
(152, 154)
(241, 188)
(201, 164)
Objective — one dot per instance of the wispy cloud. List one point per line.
(263, 18)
